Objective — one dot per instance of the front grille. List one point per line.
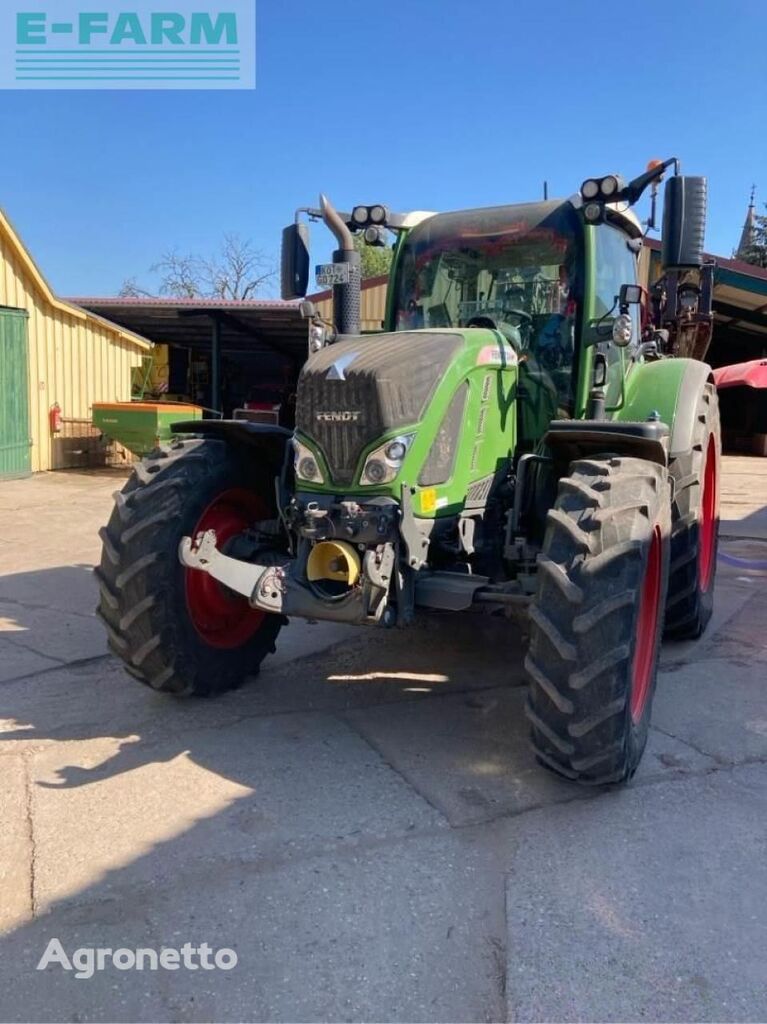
(479, 491)
(354, 391)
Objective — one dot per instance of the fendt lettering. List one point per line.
(339, 417)
(536, 433)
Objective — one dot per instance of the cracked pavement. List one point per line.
(364, 824)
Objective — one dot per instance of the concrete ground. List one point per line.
(364, 824)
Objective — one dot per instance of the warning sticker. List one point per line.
(429, 499)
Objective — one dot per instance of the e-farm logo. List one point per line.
(142, 44)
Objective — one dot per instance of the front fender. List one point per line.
(268, 439)
(670, 388)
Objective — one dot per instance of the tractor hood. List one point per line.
(362, 387)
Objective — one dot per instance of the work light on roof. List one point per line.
(365, 216)
(590, 189)
(593, 212)
(375, 235)
(606, 189)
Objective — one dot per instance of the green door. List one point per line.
(14, 394)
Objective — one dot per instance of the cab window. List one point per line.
(615, 265)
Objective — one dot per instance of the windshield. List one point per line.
(514, 268)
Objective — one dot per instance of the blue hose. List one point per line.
(752, 564)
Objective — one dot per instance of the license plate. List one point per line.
(329, 274)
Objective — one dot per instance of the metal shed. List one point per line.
(740, 307)
(242, 344)
(52, 352)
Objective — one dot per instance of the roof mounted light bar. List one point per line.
(614, 189)
(376, 215)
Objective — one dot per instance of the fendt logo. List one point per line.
(141, 44)
(341, 416)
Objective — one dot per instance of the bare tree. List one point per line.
(131, 289)
(181, 276)
(237, 271)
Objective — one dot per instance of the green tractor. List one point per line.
(533, 432)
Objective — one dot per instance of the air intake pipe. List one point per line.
(347, 292)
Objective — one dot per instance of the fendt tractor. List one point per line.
(533, 432)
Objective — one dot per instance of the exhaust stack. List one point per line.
(346, 294)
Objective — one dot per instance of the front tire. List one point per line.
(176, 629)
(597, 617)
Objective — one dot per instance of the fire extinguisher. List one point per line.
(54, 418)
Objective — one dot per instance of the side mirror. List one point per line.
(684, 222)
(630, 295)
(295, 261)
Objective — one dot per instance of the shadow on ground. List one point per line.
(346, 823)
(274, 821)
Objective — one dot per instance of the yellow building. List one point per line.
(52, 354)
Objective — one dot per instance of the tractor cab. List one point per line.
(518, 270)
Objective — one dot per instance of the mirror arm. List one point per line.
(633, 191)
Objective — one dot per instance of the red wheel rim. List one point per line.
(709, 502)
(220, 617)
(647, 628)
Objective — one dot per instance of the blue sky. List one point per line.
(422, 104)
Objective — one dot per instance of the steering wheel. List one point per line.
(512, 332)
(482, 321)
(492, 323)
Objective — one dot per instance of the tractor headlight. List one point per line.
(317, 337)
(609, 185)
(377, 472)
(383, 464)
(396, 451)
(623, 330)
(590, 189)
(592, 212)
(306, 465)
(375, 235)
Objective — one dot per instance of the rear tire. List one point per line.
(177, 630)
(695, 524)
(596, 620)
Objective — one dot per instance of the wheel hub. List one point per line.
(223, 619)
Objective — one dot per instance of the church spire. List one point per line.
(747, 235)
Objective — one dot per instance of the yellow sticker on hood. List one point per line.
(429, 499)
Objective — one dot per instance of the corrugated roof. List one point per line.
(250, 324)
(163, 301)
